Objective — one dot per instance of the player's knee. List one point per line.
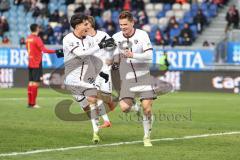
(147, 106)
(125, 107)
(146, 103)
(147, 110)
(92, 99)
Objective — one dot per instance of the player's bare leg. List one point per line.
(128, 104)
(106, 104)
(106, 98)
(147, 121)
(103, 112)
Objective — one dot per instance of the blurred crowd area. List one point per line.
(172, 22)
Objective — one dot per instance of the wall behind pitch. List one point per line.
(211, 81)
(202, 81)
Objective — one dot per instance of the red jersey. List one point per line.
(35, 48)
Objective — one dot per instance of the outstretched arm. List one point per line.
(43, 48)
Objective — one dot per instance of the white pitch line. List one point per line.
(115, 144)
(25, 98)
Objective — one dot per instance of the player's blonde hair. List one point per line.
(126, 15)
(91, 20)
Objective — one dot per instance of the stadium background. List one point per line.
(209, 64)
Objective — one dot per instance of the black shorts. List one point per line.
(34, 74)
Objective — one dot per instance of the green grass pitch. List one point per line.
(177, 115)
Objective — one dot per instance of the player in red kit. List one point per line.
(35, 48)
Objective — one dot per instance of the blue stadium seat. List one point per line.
(13, 14)
(167, 7)
(30, 20)
(11, 2)
(12, 33)
(153, 32)
(13, 28)
(115, 15)
(14, 7)
(62, 1)
(29, 15)
(152, 36)
(57, 29)
(21, 27)
(194, 30)
(20, 19)
(204, 6)
(7, 34)
(174, 32)
(6, 14)
(39, 20)
(207, 14)
(181, 23)
(213, 10)
(15, 39)
(188, 19)
(19, 12)
(194, 13)
(53, 1)
(45, 21)
(12, 20)
(20, 7)
(160, 14)
(154, 28)
(99, 21)
(194, 6)
(52, 7)
(21, 22)
(63, 8)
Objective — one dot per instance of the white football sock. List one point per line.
(135, 107)
(103, 111)
(147, 125)
(94, 118)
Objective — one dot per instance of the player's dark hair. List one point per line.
(77, 19)
(92, 21)
(126, 15)
(33, 27)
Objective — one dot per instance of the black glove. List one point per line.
(115, 66)
(104, 76)
(106, 43)
(59, 53)
(167, 62)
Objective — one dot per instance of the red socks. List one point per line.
(32, 95)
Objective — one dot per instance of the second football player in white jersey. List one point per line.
(103, 81)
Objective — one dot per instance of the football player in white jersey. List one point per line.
(134, 54)
(82, 67)
(103, 81)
